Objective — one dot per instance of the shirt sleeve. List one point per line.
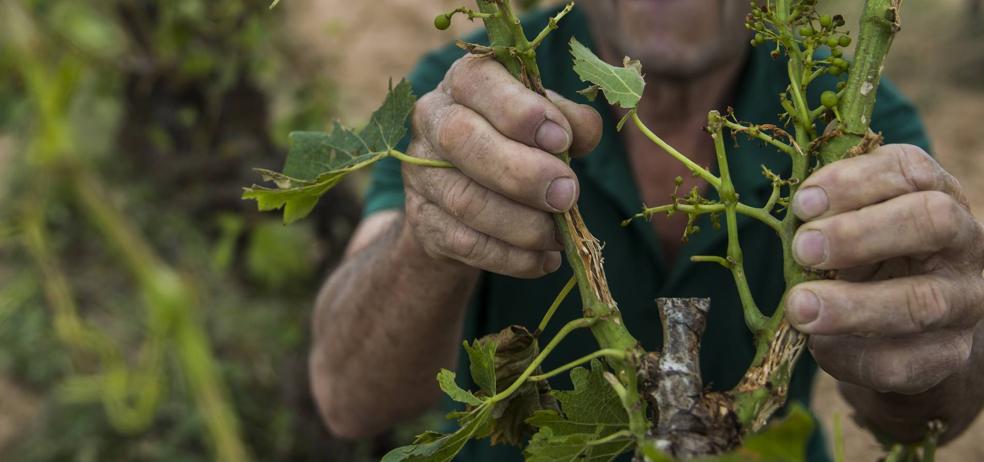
(385, 190)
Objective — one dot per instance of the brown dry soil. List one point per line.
(934, 61)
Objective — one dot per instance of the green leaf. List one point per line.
(312, 154)
(548, 447)
(481, 360)
(445, 379)
(317, 161)
(431, 447)
(781, 441)
(622, 85)
(589, 412)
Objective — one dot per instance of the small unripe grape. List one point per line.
(759, 39)
(806, 31)
(832, 42)
(826, 20)
(442, 22)
(844, 41)
(836, 52)
(828, 99)
(840, 62)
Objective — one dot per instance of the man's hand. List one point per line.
(901, 315)
(493, 211)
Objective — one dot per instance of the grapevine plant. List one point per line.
(625, 399)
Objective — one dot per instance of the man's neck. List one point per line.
(670, 103)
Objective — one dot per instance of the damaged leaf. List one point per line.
(317, 161)
(622, 86)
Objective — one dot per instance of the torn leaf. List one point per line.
(622, 86)
(317, 161)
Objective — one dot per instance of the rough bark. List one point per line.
(689, 422)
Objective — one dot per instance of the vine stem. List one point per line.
(619, 435)
(774, 361)
(880, 22)
(419, 161)
(786, 148)
(567, 329)
(603, 353)
(753, 316)
(691, 165)
(556, 304)
(761, 214)
(582, 250)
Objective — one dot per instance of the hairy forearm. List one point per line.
(385, 322)
(956, 402)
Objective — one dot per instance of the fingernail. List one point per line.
(802, 307)
(551, 137)
(560, 194)
(810, 202)
(810, 248)
(552, 262)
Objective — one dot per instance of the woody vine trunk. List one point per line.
(772, 367)
(582, 250)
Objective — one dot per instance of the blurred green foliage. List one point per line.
(169, 104)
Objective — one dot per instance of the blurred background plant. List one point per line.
(128, 264)
(152, 113)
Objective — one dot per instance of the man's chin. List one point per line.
(677, 63)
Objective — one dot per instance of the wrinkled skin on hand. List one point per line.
(902, 314)
(492, 211)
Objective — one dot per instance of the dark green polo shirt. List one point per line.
(637, 272)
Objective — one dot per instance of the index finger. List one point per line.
(484, 86)
(887, 172)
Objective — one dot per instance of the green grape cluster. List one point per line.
(813, 30)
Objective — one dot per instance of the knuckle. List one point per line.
(454, 131)
(525, 264)
(891, 375)
(917, 168)
(926, 305)
(540, 234)
(466, 243)
(525, 113)
(466, 200)
(423, 112)
(459, 73)
(941, 213)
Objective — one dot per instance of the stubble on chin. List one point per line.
(672, 50)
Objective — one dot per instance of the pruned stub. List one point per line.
(690, 422)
